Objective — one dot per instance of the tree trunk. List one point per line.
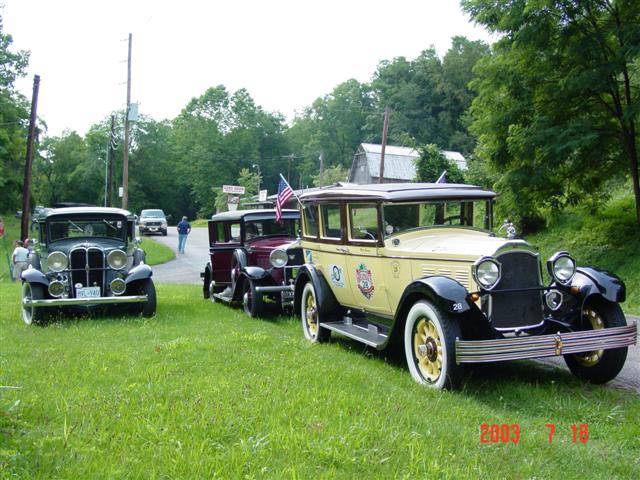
(633, 160)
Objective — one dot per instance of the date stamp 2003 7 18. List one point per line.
(511, 433)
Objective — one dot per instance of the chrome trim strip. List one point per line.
(272, 289)
(517, 348)
(65, 302)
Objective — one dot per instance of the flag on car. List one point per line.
(285, 192)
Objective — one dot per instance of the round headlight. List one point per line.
(278, 258)
(56, 288)
(118, 286)
(563, 268)
(57, 261)
(117, 259)
(487, 273)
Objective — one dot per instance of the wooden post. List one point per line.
(125, 160)
(26, 186)
(385, 130)
(110, 152)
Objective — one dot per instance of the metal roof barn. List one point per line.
(399, 163)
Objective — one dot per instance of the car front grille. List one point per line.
(509, 310)
(87, 268)
(153, 224)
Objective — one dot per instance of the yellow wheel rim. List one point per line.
(427, 348)
(589, 359)
(311, 315)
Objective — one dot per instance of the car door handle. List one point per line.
(342, 249)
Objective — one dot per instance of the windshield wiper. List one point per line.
(115, 228)
(79, 228)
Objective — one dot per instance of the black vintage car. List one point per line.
(85, 257)
(253, 259)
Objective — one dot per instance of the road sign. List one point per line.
(235, 189)
(262, 196)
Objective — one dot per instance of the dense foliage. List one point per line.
(547, 116)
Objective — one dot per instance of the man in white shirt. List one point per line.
(20, 260)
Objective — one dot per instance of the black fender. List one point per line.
(141, 272)
(33, 275)
(255, 273)
(241, 255)
(444, 292)
(327, 303)
(599, 283)
(206, 280)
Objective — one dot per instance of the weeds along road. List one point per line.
(186, 268)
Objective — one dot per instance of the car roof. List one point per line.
(51, 212)
(152, 210)
(239, 214)
(400, 192)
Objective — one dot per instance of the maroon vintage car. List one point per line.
(253, 259)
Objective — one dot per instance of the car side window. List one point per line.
(363, 222)
(227, 232)
(310, 220)
(331, 225)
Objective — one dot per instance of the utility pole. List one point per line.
(125, 160)
(26, 186)
(385, 131)
(110, 152)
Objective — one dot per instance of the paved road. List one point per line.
(186, 268)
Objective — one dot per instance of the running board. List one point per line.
(369, 334)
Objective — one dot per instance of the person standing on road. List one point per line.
(20, 259)
(184, 229)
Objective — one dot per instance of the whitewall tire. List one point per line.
(310, 316)
(429, 345)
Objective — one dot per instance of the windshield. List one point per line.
(263, 228)
(83, 227)
(152, 213)
(401, 217)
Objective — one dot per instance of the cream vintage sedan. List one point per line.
(420, 265)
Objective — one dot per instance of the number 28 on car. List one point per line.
(419, 264)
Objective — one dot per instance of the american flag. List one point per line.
(284, 194)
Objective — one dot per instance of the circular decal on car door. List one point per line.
(364, 280)
(337, 276)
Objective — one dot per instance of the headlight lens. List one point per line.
(563, 267)
(117, 259)
(278, 258)
(487, 273)
(57, 261)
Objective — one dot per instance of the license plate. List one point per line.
(88, 292)
(153, 229)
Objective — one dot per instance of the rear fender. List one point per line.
(327, 302)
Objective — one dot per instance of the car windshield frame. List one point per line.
(77, 222)
(291, 234)
(488, 213)
(146, 214)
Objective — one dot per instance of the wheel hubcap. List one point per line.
(311, 315)
(428, 350)
(27, 306)
(589, 359)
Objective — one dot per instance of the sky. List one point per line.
(286, 53)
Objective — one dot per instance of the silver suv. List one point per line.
(152, 221)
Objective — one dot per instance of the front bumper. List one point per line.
(274, 288)
(518, 348)
(67, 302)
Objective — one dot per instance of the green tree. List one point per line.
(558, 101)
(330, 176)
(432, 163)
(13, 121)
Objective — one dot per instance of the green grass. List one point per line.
(202, 391)
(608, 239)
(200, 223)
(156, 253)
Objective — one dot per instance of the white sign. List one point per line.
(235, 189)
(262, 196)
(120, 192)
(133, 112)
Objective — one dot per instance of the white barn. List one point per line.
(399, 163)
